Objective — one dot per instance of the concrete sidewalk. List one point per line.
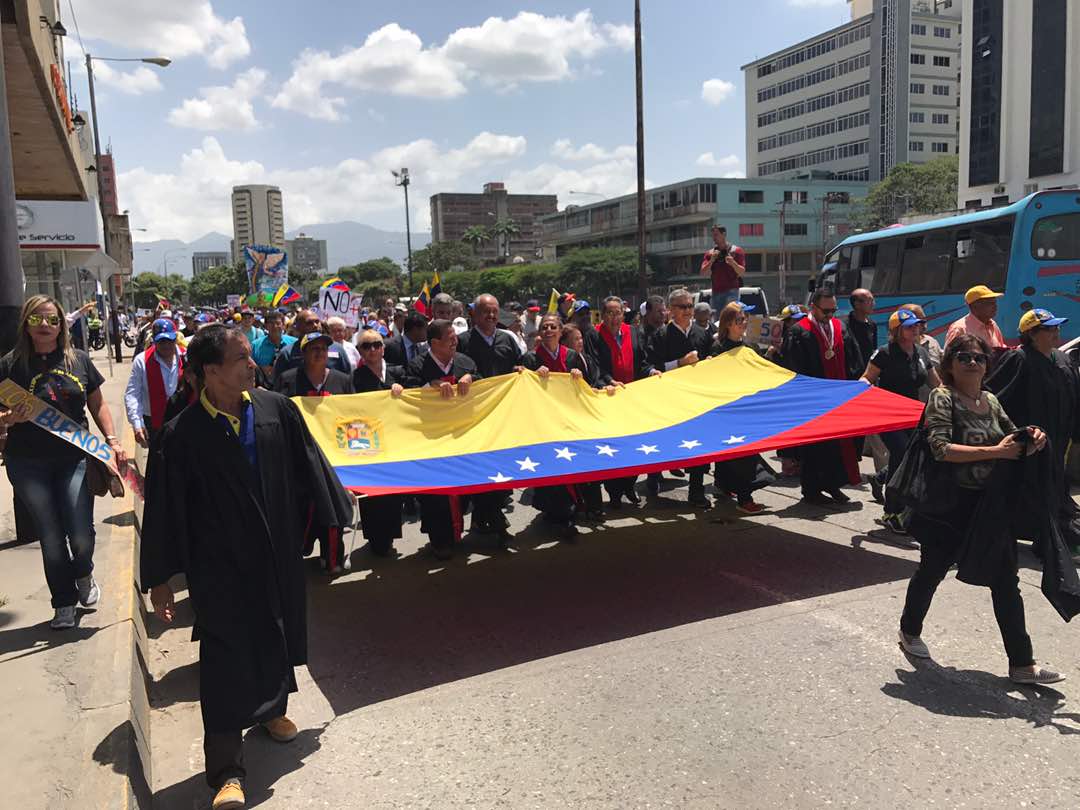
(73, 706)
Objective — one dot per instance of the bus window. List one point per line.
(1056, 238)
(982, 255)
(886, 279)
(847, 270)
(926, 261)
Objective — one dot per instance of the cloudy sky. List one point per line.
(324, 98)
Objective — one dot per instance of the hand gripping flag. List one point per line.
(284, 296)
(519, 430)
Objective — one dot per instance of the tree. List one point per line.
(594, 273)
(374, 279)
(910, 188)
(476, 236)
(213, 286)
(446, 257)
(148, 286)
(504, 229)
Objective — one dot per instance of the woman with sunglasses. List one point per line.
(736, 477)
(380, 516)
(969, 432)
(48, 474)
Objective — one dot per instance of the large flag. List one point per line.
(436, 285)
(518, 430)
(422, 304)
(335, 283)
(285, 296)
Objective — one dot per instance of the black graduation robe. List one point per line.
(1044, 391)
(598, 351)
(500, 357)
(236, 533)
(741, 476)
(670, 344)
(364, 381)
(295, 383)
(533, 361)
(380, 516)
(423, 370)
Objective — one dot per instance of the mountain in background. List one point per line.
(346, 243)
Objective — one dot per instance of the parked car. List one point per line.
(752, 296)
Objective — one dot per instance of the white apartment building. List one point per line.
(856, 100)
(1020, 113)
(258, 218)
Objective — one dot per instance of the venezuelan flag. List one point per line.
(521, 431)
(284, 296)
(436, 284)
(553, 302)
(336, 284)
(422, 304)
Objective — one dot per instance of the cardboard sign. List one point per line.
(334, 302)
(46, 417)
(352, 317)
(765, 332)
(233, 301)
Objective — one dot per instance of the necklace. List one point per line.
(976, 401)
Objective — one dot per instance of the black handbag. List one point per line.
(920, 482)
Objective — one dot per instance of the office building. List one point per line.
(203, 260)
(1019, 116)
(779, 223)
(107, 170)
(258, 218)
(855, 101)
(306, 254)
(453, 214)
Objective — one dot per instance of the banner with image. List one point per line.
(267, 270)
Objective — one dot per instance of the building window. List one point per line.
(707, 192)
(1046, 147)
(917, 118)
(751, 229)
(918, 88)
(940, 147)
(940, 118)
(916, 146)
(797, 197)
(918, 29)
(838, 197)
(847, 150)
(753, 263)
(984, 143)
(795, 229)
(941, 89)
(918, 58)
(942, 61)
(747, 196)
(942, 33)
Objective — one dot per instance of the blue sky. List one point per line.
(323, 98)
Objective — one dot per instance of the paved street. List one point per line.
(663, 661)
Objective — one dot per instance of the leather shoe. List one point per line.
(633, 497)
(281, 729)
(839, 496)
(230, 796)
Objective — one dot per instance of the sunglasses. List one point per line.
(967, 358)
(370, 347)
(827, 311)
(683, 306)
(38, 320)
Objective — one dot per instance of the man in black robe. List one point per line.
(495, 352)
(1036, 385)
(445, 368)
(820, 347)
(230, 485)
(682, 342)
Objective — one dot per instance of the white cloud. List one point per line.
(133, 82)
(222, 107)
(565, 150)
(500, 53)
(729, 166)
(715, 91)
(816, 3)
(173, 29)
(195, 199)
(609, 178)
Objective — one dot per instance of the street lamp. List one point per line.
(401, 178)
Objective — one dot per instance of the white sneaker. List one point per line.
(913, 645)
(89, 592)
(64, 618)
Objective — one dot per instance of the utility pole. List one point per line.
(11, 275)
(403, 181)
(783, 252)
(643, 281)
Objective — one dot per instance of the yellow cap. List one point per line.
(978, 293)
(1039, 317)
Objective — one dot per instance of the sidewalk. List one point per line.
(73, 705)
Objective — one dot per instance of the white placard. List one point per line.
(352, 317)
(233, 301)
(334, 302)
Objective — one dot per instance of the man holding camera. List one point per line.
(727, 264)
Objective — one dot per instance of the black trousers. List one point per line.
(224, 755)
(618, 487)
(695, 474)
(437, 520)
(940, 543)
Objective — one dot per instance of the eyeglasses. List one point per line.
(38, 320)
(967, 358)
(827, 311)
(683, 306)
(372, 346)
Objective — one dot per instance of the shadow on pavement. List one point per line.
(973, 693)
(392, 627)
(40, 637)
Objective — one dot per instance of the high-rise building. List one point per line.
(855, 101)
(453, 214)
(1019, 116)
(307, 254)
(258, 218)
(107, 171)
(203, 260)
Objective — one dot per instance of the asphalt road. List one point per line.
(665, 660)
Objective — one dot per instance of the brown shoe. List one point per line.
(229, 797)
(281, 729)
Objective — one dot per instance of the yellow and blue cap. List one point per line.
(904, 317)
(1039, 317)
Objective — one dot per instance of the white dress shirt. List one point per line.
(137, 393)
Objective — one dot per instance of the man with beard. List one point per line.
(229, 488)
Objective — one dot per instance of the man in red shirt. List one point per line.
(727, 264)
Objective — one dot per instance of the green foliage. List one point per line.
(444, 257)
(476, 236)
(910, 188)
(215, 285)
(147, 286)
(594, 273)
(374, 279)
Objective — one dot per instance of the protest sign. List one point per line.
(334, 302)
(352, 317)
(233, 301)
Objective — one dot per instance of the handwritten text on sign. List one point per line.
(334, 302)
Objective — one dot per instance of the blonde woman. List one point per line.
(47, 473)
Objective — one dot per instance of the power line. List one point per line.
(75, 22)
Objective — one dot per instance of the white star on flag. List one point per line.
(565, 453)
(499, 478)
(527, 464)
(735, 440)
(648, 448)
(690, 444)
(606, 450)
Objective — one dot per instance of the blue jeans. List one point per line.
(721, 299)
(896, 443)
(56, 493)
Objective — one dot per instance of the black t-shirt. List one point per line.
(65, 389)
(865, 334)
(900, 373)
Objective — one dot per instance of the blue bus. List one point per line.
(1029, 250)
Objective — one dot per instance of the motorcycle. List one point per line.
(97, 336)
(131, 337)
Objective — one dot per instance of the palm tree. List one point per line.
(476, 235)
(505, 228)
